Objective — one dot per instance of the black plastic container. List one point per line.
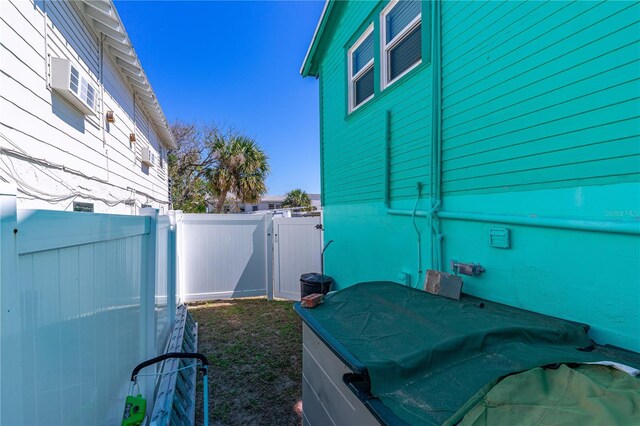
(314, 282)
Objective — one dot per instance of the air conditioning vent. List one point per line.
(74, 86)
(147, 157)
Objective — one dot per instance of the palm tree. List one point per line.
(241, 169)
(297, 198)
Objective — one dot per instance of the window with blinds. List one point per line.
(361, 66)
(401, 44)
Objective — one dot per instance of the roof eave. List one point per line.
(103, 17)
(307, 65)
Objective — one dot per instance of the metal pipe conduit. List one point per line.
(631, 228)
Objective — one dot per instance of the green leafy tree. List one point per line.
(297, 198)
(189, 166)
(240, 170)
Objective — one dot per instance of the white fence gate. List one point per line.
(297, 247)
(225, 255)
(239, 255)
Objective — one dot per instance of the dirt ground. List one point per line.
(254, 347)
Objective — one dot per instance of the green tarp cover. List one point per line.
(426, 356)
(582, 395)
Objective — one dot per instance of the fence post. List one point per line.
(11, 392)
(269, 250)
(148, 287)
(180, 254)
(172, 278)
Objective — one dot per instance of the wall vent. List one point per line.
(500, 237)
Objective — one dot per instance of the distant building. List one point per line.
(274, 202)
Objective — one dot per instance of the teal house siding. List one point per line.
(521, 115)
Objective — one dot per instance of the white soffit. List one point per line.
(104, 18)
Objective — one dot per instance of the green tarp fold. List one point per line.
(582, 395)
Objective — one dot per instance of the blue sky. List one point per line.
(236, 63)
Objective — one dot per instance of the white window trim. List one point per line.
(367, 67)
(386, 47)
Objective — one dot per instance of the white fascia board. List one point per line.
(315, 35)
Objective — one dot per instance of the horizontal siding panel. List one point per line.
(410, 160)
(16, 47)
(495, 28)
(616, 64)
(613, 149)
(62, 148)
(463, 18)
(482, 18)
(585, 171)
(513, 50)
(628, 128)
(557, 110)
(116, 88)
(356, 196)
(19, 72)
(551, 43)
(564, 126)
(15, 21)
(346, 173)
(526, 15)
(26, 11)
(70, 30)
(555, 103)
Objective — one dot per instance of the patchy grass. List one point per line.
(254, 348)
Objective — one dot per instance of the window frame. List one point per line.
(385, 47)
(368, 66)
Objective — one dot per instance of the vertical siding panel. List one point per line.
(88, 281)
(47, 338)
(29, 309)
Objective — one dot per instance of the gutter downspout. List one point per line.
(436, 138)
(321, 107)
(387, 160)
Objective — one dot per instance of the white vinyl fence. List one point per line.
(83, 299)
(232, 255)
(224, 255)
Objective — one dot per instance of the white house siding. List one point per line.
(54, 153)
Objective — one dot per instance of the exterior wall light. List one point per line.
(111, 118)
(132, 137)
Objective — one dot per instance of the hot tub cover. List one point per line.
(425, 356)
